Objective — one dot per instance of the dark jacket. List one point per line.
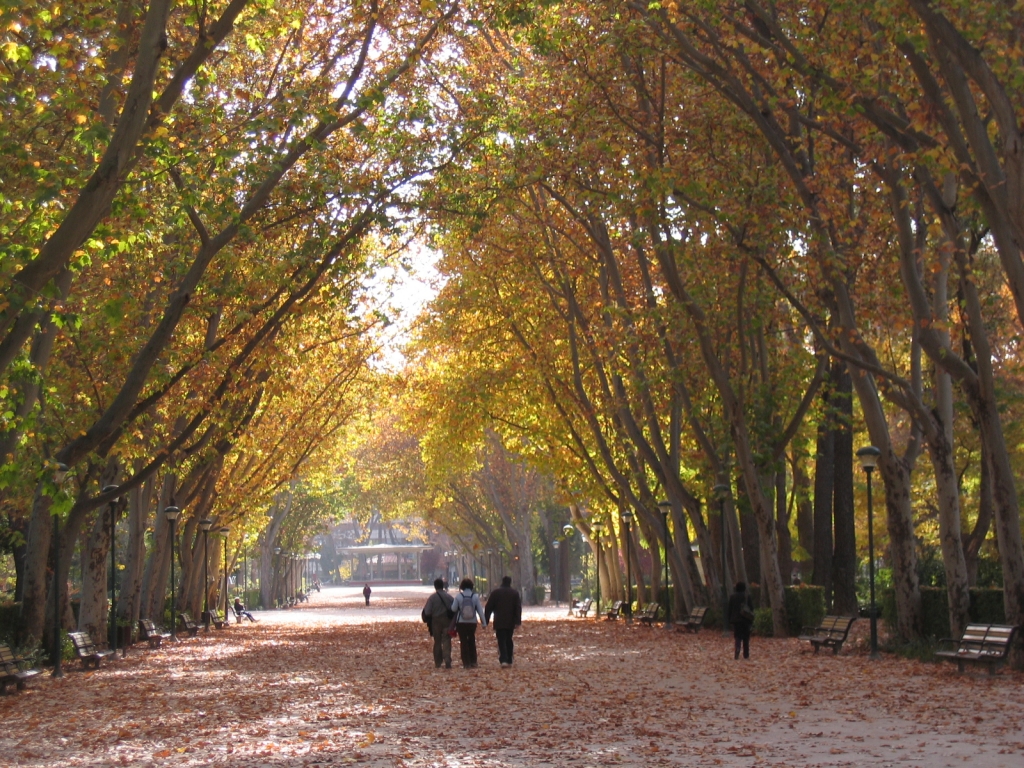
(736, 601)
(507, 607)
(437, 612)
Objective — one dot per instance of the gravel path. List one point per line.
(336, 683)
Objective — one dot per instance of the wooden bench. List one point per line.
(831, 633)
(694, 621)
(187, 624)
(583, 609)
(980, 644)
(11, 671)
(149, 633)
(615, 611)
(87, 650)
(218, 620)
(649, 614)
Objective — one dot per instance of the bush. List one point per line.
(763, 622)
(805, 607)
(539, 591)
(986, 608)
(10, 623)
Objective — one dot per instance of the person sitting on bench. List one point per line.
(241, 613)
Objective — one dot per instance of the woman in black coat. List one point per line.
(741, 616)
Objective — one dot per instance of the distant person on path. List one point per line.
(741, 616)
(507, 608)
(366, 593)
(467, 607)
(437, 614)
(241, 613)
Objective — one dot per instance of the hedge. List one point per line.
(986, 608)
(805, 607)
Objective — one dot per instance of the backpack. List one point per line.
(467, 612)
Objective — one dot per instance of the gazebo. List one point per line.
(385, 562)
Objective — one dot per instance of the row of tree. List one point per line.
(693, 233)
(196, 198)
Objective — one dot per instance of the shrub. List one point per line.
(805, 607)
(539, 591)
(763, 622)
(986, 608)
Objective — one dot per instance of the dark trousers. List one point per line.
(505, 645)
(467, 643)
(741, 633)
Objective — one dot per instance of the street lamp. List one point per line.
(627, 518)
(868, 461)
(568, 530)
(60, 472)
(171, 515)
(276, 581)
(597, 529)
(490, 570)
(722, 494)
(666, 507)
(554, 574)
(224, 531)
(113, 566)
(206, 524)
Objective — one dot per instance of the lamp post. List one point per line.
(171, 515)
(490, 570)
(224, 531)
(206, 524)
(60, 472)
(554, 574)
(869, 460)
(597, 529)
(627, 518)
(666, 507)
(568, 530)
(277, 568)
(722, 494)
(112, 508)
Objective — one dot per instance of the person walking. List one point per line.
(467, 607)
(366, 593)
(506, 606)
(437, 614)
(741, 616)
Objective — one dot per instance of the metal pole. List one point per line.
(59, 473)
(665, 507)
(57, 649)
(174, 604)
(597, 541)
(871, 570)
(225, 577)
(113, 583)
(206, 580)
(725, 573)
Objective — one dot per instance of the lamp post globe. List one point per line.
(171, 515)
(666, 508)
(205, 525)
(868, 456)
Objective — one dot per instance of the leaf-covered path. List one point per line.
(336, 683)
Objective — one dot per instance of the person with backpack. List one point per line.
(467, 607)
(437, 613)
(506, 606)
(741, 616)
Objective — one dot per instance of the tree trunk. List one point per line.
(844, 557)
(94, 610)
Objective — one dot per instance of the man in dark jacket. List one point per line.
(507, 608)
(436, 615)
(741, 616)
